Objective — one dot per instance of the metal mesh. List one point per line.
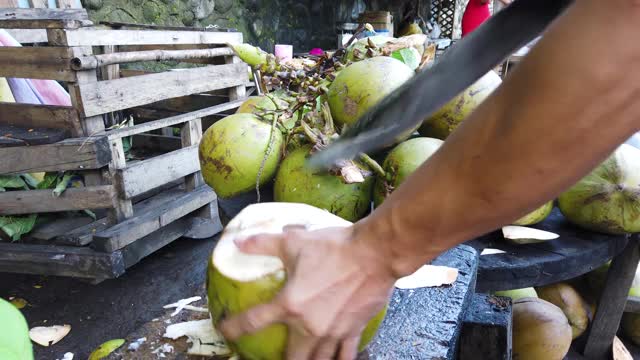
(443, 12)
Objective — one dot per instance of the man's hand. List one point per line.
(335, 284)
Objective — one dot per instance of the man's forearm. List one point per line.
(566, 107)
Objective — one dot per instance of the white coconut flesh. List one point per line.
(265, 218)
(523, 233)
(627, 158)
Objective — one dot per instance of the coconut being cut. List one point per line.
(237, 281)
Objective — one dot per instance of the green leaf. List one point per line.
(12, 182)
(49, 181)
(62, 185)
(16, 226)
(409, 56)
(30, 180)
(90, 213)
(105, 349)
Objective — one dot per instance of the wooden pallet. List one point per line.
(142, 203)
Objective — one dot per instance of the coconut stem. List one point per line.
(308, 131)
(329, 128)
(266, 155)
(373, 165)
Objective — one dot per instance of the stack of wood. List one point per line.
(142, 202)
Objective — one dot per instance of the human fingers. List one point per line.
(263, 244)
(349, 348)
(251, 320)
(300, 346)
(326, 349)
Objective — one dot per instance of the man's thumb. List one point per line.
(262, 244)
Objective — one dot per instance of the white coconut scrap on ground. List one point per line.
(67, 356)
(205, 339)
(134, 346)
(49, 335)
(428, 276)
(184, 304)
(164, 349)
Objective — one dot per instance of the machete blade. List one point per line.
(466, 61)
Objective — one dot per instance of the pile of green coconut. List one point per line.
(306, 104)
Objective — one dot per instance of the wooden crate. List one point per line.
(147, 202)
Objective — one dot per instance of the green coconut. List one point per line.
(608, 199)
(297, 183)
(447, 118)
(536, 216)
(14, 341)
(517, 294)
(237, 281)
(574, 307)
(401, 162)
(232, 151)
(361, 85)
(253, 56)
(541, 331)
(253, 104)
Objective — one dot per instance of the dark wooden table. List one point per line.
(574, 253)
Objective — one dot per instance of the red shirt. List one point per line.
(475, 14)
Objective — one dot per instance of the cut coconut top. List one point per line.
(523, 232)
(265, 218)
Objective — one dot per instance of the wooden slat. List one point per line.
(99, 37)
(37, 201)
(122, 208)
(612, 301)
(143, 247)
(60, 261)
(43, 14)
(107, 96)
(36, 63)
(124, 233)
(148, 174)
(28, 36)
(69, 154)
(632, 305)
(174, 120)
(9, 23)
(54, 226)
(33, 136)
(40, 116)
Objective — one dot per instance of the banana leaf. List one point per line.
(16, 226)
(12, 182)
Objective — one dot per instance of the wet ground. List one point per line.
(114, 308)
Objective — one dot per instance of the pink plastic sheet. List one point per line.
(34, 91)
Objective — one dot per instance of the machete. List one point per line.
(463, 64)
